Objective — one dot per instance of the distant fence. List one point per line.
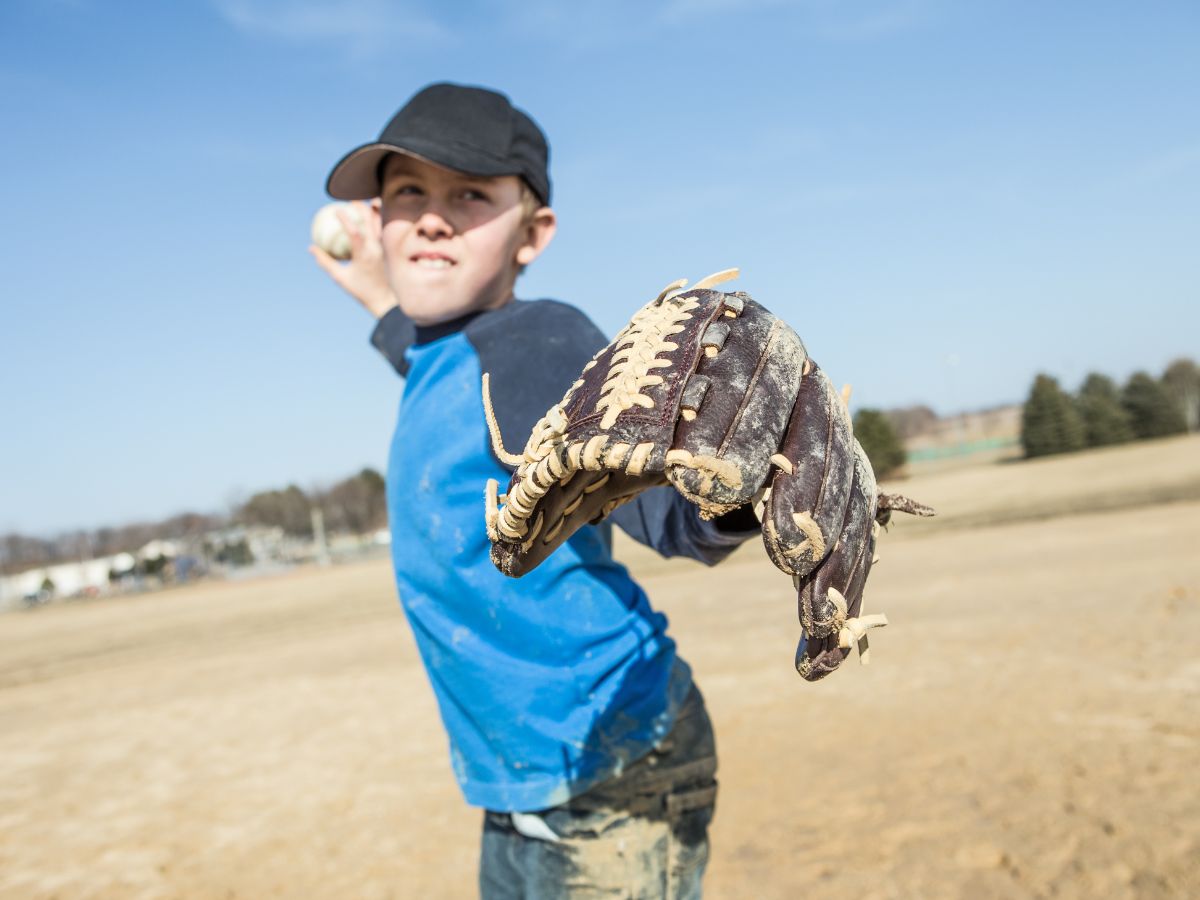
(965, 448)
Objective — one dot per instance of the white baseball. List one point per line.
(329, 234)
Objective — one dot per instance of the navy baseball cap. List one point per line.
(467, 129)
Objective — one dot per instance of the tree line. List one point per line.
(1052, 421)
(353, 505)
(1101, 414)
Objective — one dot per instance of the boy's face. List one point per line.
(453, 243)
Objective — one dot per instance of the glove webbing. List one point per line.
(547, 459)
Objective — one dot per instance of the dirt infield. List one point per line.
(1029, 726)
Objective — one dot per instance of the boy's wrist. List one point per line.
(380, 306)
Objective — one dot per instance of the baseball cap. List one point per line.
(467, 129)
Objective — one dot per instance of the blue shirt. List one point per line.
(552, 682)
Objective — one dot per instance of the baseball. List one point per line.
(329, 234)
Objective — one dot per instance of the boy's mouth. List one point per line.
(432, 260)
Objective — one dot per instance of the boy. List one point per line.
(571, 720)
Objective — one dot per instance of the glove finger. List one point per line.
(810, 491)
(833, 593)
(564, 509)
(735, 408)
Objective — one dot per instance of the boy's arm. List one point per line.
(364, 278)
(663, 520)
(533, 352)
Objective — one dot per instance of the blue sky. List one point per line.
(944, 198)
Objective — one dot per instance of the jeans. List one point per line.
(642, 834)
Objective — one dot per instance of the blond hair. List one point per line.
(530, 204)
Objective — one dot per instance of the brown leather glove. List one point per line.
(709, 392)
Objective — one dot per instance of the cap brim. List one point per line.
(356, 175)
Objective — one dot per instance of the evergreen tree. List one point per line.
(1105, 420)
(880, 441)
(1182, 381)
(1151, 410)
(1049, 421)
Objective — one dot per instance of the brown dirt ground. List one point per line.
(1029, 726)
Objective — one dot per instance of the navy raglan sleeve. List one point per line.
(533, 352)
(663, 520)
(393, 334)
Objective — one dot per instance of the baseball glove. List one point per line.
(711, 393)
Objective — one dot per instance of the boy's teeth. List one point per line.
(429, 263)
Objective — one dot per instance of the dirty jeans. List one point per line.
(641, 835)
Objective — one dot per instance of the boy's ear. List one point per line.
(538, 233)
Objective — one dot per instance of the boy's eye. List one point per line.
(404, 190)
(473, 194)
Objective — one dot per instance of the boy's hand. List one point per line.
(364, 276)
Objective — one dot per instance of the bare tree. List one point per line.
(910, 421)
(1182, 381)
(357, 504)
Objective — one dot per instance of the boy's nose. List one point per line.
(433, 224)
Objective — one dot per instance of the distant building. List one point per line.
(61, 580)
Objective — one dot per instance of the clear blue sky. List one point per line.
(943, 196)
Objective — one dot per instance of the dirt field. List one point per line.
(1029, 726)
